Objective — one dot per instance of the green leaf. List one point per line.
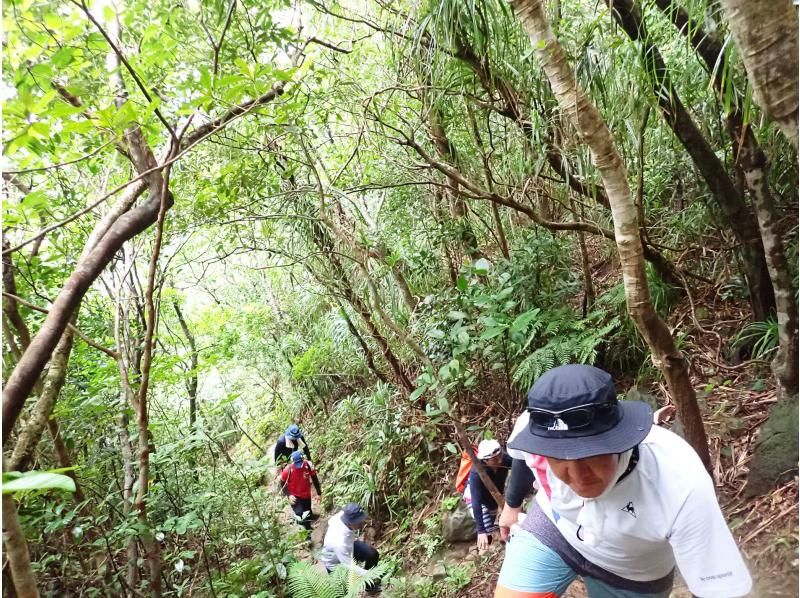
(36, 480)
(523, 320)
(492, 333)
(456, 315)
(461, 283)
(418, 392)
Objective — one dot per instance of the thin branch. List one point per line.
(110, 352)
(134, 74)
(186, 144)
(62, 164)
(218, 45)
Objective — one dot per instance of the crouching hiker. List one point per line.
(297, 478)
(483, 506)
(340, 546)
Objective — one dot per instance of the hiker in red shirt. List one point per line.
(297, 478)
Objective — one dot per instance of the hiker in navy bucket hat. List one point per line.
(621, 502)
(340, 546)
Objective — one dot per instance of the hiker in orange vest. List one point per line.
(483, 506)
(297, 478)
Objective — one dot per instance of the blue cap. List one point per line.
(293, 432)
(297, 459)
(353, 514)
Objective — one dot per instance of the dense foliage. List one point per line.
(370, 218)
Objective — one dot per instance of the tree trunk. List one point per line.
(766, 35)
(54, 379)
(754, 166)
(487, 173)
(27, 371)
(324, 243)
(447, 153)
(594, 132)
(785, 365)
(191, 382)
(368, 356)
(63, 459)
(737, 215)
(19, 560)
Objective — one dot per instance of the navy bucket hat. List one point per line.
(573, 413)
(293, 432)
(353, 514)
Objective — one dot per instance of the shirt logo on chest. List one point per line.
(629, 509)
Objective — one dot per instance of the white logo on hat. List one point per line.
(559, 425)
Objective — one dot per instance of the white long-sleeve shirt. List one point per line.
(337, 547)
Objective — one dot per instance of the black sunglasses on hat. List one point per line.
(574, 418)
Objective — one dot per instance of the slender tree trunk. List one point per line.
(487, 173)
(586, 267)
(16, 550)
(380, 252)
(458, 208)
(191, 382)
(754, 166)
(63, 459)
(593, 130)
(54, 379)
(766, 35)
(368, 356)
(325, 244)
(786, 362)
(737, 215)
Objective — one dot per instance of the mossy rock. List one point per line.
(776, 454)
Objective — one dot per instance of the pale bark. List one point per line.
(766, 35)
(754, 166)
(786, 362)
(16, 550)
(125, 361)
(587, 120)
(734, 209)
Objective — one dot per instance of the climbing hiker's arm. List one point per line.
(704, 548)
(520, 484)
(476, 494)
(517, 489)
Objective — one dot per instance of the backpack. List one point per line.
(464, 467)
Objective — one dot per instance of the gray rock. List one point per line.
(458, 525)
(775, 457)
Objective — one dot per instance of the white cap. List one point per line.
(488, 448)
